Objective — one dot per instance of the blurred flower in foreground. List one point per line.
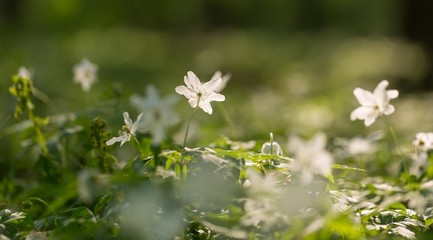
(128, 130)
(262, 206)
(310, 157)
(198, 94)
(158, 113)
(271, 147)
(24, 72)
(85, 74)
(373, 104)
(224, 80)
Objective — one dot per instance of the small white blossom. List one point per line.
(310, 157)
(128, 130)
(198, 94)
(24, 72)
(85, 73)
(224, 80)
(373, 104)
(423, 141)
(158, 113)
(271, 147)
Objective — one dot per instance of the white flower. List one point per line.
(224, 80)
(373, 104)
(262, 207)
(128, 130)
(198, 94)
(158, 113)
(423, 141)
(24, 72)
(85, 74)
(310, 157)
(271, 147)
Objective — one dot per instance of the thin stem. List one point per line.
(181, 163)
(394, 136)
(44, 203)
(187, 127)
(226, 117)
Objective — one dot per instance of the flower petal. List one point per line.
(216, 97)
(210, 86)
(113, 141)
(380, 94)
(182, 90)
(205, 105)
(389, 109)
(392, 94)
(369, 120)
(127, 119)
(192, 81)
(216, 75)
(364, 97)
(361, 113)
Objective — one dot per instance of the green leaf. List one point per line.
(103, 202)
(345, 167)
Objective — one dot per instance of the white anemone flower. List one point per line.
(26, 73)
(423, 141)
(198, 94)
(224, 79)
(310, 157)
(128, 130)
(271, 147)
(85, 73)
(158, 114)
(373, 104)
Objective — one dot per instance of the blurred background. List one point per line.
(294, 64)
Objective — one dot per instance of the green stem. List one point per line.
(226, 117)
(187, 128)
(394, 136)
(181, 162)
(44, 203)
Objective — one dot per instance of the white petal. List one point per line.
(210, 86)
(381, 95)
(364, 97)
(192, 102)
(182, 90)
(205, 105)
(216, 75)
(136, 123)
(113, 140)
(389, 109)
(223, 83)
(216, 97)
(192, 81)
(392, 94)
(361, 113)
(127, 119)
(370, 120)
